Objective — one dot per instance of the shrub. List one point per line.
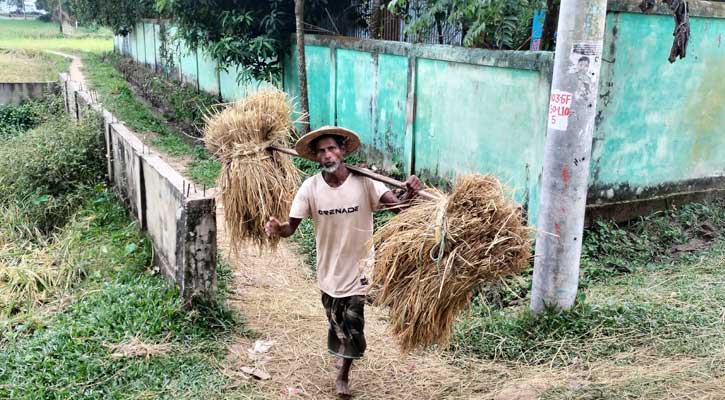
(43, 170)
(16, 119)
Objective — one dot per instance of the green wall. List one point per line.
(442, 111)
(659, 123)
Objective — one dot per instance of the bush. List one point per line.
(44, 170)
(16, 119)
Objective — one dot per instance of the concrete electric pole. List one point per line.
(572, 108)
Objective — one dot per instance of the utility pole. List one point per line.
(567, 153)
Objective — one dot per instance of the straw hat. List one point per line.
(304, 148)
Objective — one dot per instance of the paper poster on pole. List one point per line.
(559, 109)
(585, 61)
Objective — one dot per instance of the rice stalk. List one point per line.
(33, 272)
(255, 183)
(430, 258)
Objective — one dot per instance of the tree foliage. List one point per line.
(119, 15)
(492, 24)
(251, 33)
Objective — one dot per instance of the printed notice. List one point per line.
(585, 61)
(559, 109)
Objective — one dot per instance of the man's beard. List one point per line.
(331, 168)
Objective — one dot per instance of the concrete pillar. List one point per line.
(572, 108)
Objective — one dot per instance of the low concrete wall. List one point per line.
(181, 225)
(17, 92)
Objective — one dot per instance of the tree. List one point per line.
(19, 5)
(492, 24)
(253, 34)
(301, 65)
(119, 15)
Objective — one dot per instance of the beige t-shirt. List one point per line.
(343, 219)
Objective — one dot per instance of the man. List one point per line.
(585, 88)
(341, 205)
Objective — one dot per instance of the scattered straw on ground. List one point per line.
(280, 303)
(135, 347)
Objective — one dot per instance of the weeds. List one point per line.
(116, 95)
(16, 119)
(182, 105)
(633, 296)
(70, 354)
(43, 171)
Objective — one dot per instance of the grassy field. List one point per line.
(37, 35)
(30, 66)
(82, 313)
(651, 302)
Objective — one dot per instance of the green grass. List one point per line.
(635, 295)
(67, 353)
(30, 66)
(69, 296)
(117, 96)
(204, 169)
(37, 35)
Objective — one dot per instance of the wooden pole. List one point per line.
(365, 172)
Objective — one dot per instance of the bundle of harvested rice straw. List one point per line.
(255, 182)
(430, 258)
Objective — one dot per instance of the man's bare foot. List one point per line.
(343, 390)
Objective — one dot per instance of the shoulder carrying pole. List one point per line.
(365, 172)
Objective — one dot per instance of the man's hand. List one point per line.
(413, 185)
(285, 229)
(273, 227)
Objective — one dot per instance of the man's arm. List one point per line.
(390, 200)
(284, 229)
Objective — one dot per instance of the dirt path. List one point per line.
(282, 304)
(75, 66)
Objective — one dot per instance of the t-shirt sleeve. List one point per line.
(376, 190)
(301, 204)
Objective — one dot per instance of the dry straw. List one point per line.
(255, 182)
(430, 258)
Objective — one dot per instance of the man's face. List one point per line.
(583, 65)
(329, 154)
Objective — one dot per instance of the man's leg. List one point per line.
(345, 334)
(341, 383)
